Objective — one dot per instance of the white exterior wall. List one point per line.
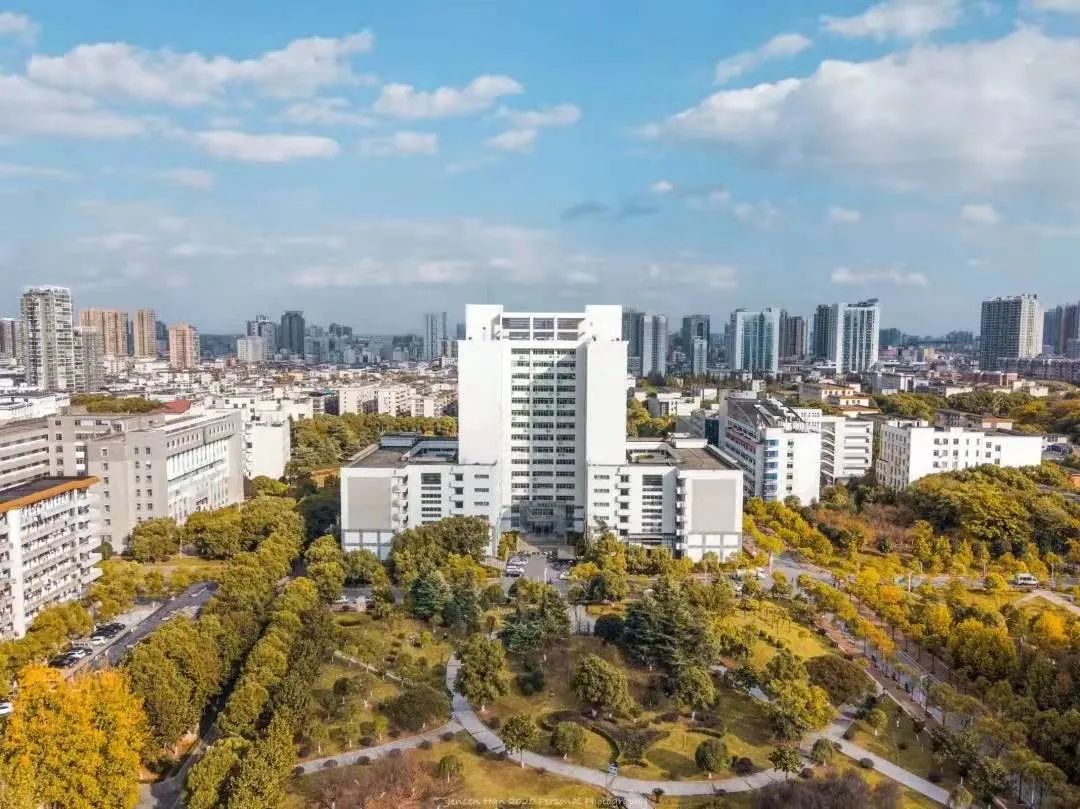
(913, 449)
(50, 557)
(776, 462)
(847, 447)
(267, 449)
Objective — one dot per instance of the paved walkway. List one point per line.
(1053, 598)
(408, 743)
(636, 788)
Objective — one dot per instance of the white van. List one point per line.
(1025, 580)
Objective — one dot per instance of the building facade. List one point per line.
(48, 548)
(10, 338)
(184, 350)
(542, 447)
(755, 341)
(646, 336)
(847, 335)
(112, 325)
(144, 334)
(292, 333)
(912, 449)
(251, 349)
(48, 338)
(89, 360)
(847, 448)
(777, 447)
(1011, 328)
(436, 341)
(696, 340)
(792, 336)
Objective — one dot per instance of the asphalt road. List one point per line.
(191, 600)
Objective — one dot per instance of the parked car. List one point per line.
(1025, 580)
(5, 708)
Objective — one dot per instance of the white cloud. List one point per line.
(405, 101)
(692, 273)
(980, 214)
(1005, 111)
(513, 140)
(581, 278)
(27, 108)
(401, 144)
(230, 145)
(781, 46)
(19, 170)
(662, 187)
(1060, 6)
(760, 215)
(557, 115)
(114, 241)
(299, 69)
(324, 112)
(890, 275)
(899, 19)
(198, 179)
(16, 25)
(844, 216)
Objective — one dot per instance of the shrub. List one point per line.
(395, 753)
(807, 773)
(447, 737)
(934, 777)
(298, 771)
(822, 752)
(363, 761)
(425, 745)
(742, 766)
(659, 793)
(329, 765)
(480, 748)
(901, 745)
(866, 764)
(494, 723)
(366, 741)
(849, 734)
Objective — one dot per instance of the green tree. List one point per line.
(877, 719)
(207, 778)
(960, 798)
(428, 594)
(364, 568)
(520, 733)
(329, 578)
(215, 534)
(261, 485)
(482, 675)
(846, 682)
(601, 686)
(568, 739)
(694, 688)
(712, 756)
(155, 540)
(797, 707)
(167, 695)
(417, 706)
(823, 751)
(461, 613)
(786, 759)
(449, 768)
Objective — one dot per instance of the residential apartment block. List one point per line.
(1011, 328)
(912, 449)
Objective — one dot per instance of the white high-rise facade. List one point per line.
(755, 341)
(1011, 328)
(48, 338)
(542, 448)
(847, 335)
(435, 338)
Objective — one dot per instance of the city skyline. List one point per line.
(367, 168)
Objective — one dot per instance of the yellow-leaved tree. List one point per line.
(75, 744)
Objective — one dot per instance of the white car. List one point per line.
(5, 708)
(564, 575)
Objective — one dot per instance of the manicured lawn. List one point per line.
(376, 641)
(795, 637)
(670, 757)
(194, 567)
(916, 755)
(748, 733)
(346, 727)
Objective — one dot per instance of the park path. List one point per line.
(623, 786)
(1052, 597)
(352, 756)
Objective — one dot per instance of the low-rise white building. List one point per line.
(912, 449)
(847, 448)
(48, 548)
(777, 447)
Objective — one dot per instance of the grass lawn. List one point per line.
(374, 641)
(799, 640)
(485, 779)
(345, 730)
(917, 755)
(194, 567)
(671, 757)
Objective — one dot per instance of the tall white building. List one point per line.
(1011, 328)
(847, 448)
(755, 341)
(777, 447)
(89, 360)
(252, 349)
(646, 336)
(48, 338)
(912, 449)
(49, 540)
(542, 447)
(847, 335)
(435, 337)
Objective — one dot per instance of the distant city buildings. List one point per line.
(292, 334)
(48, 338)
(1061, 327)
(10, 338)
(112, 325)
(89, 360)
(144, 334)
(436, 342)
(184, 351)
(646, 336)
(696, 342)
(755, 341)
(846, 335)
(793, 336)
(1011, 328)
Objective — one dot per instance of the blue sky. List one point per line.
(369, 161)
